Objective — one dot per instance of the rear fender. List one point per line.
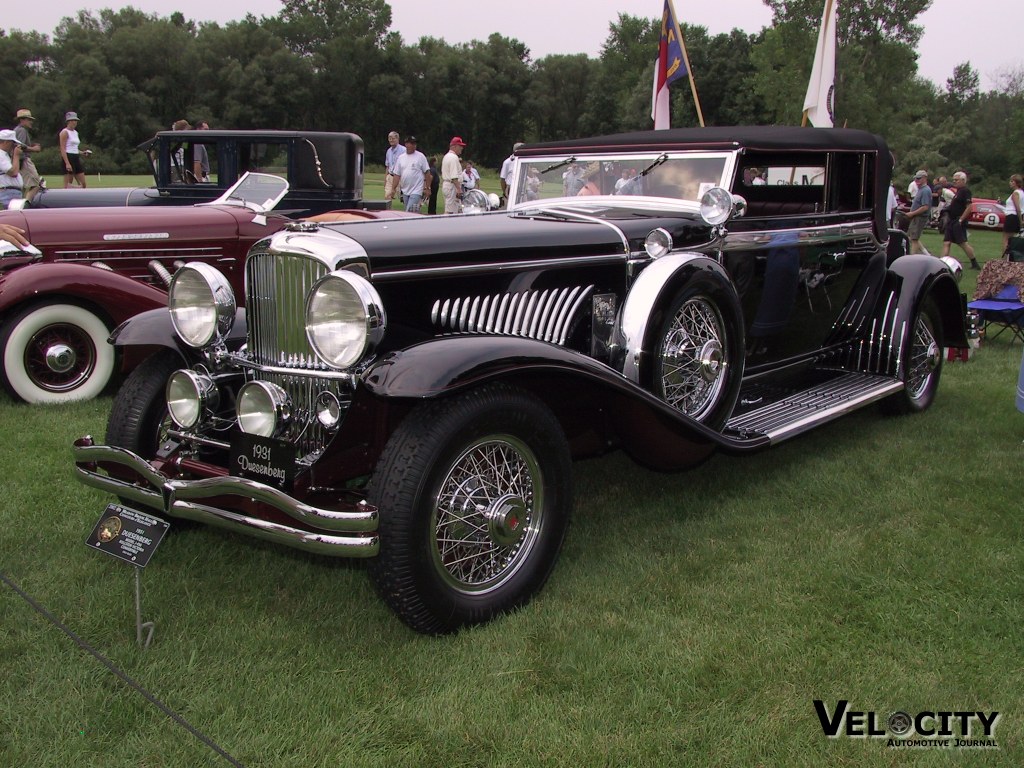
(922, 276)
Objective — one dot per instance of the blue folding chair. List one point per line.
(1004, 310)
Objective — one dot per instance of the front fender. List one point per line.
(654, 288)
(117, 296)
(598, 408)
(155, 329)
(921, 276)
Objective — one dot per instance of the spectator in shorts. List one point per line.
(71, 151)
(959, 212)
(1014, 208)
(920, 211)
(30, 181)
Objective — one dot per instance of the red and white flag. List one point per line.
(670, 66)
(819, 104)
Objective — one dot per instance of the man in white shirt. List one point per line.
(451, 176)
(413, 172)
(506, 171)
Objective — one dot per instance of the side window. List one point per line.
(779, 185)
(264, 158)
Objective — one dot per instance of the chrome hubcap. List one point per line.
(506, 518)
(60, 358)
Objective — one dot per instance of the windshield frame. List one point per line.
(522, 197)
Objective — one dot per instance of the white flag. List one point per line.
(819, 104)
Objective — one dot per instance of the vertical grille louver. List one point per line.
(276, 287)
(542, 315)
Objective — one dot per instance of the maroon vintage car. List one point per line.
(93, 268)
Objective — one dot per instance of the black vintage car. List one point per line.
(415, 391)
(324, 171)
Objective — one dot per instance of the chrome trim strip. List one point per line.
(491, 267)
(89, 255)
(831, 233)
(320, 373)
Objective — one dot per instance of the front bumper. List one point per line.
(184, 498)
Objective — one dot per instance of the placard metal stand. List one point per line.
(132, 536)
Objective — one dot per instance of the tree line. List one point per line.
(338, 65)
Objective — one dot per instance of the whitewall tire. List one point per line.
(55, 353)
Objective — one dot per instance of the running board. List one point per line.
(798, 412)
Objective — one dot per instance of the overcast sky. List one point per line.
(985, 33)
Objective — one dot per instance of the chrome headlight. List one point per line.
(716, 206)
(189, 394)
(263, 409)
(344, 318)
(202, 304)
(657, 243)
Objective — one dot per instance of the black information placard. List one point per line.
(270, 461)
(127, 534)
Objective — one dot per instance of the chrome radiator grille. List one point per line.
(276, 287)
(543, 315)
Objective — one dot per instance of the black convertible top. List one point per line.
(760, 137)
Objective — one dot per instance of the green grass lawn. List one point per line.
(692, 620)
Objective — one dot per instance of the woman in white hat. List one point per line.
(71, 152)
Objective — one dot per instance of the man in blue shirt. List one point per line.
(920, 211)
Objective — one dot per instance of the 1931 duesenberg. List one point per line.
(414, 391)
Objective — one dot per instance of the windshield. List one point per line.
(680, 178)
(257, 191)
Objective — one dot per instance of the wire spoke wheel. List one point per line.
(488, 514)
(692, 358)
(474, 493)
(923, 360)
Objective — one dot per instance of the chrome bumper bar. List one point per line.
(183, 498)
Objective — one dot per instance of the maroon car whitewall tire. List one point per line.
(55, 353)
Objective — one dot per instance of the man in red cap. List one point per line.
(451, 176)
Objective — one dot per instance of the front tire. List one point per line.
(138, 418)
(920, 364)
(56, 353)
(474, 495)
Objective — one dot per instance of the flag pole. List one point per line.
(689, 70)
